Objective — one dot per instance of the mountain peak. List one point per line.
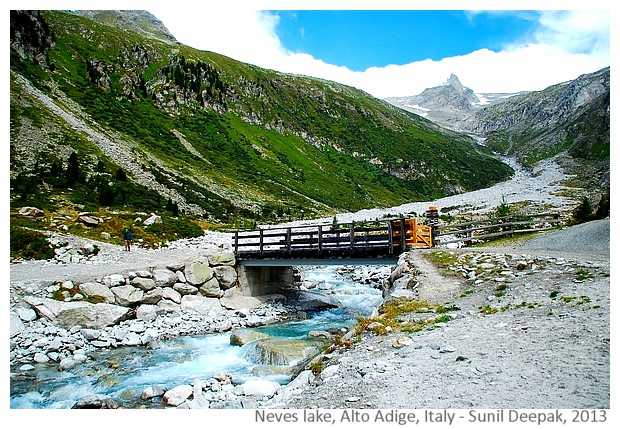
(454, 82)
(139, 21)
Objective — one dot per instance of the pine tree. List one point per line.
(583, 212)
(603, 206)
(73, 172)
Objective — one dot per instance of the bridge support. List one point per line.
(256, 281)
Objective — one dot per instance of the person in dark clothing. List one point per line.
(127, 236)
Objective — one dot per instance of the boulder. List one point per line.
(114, 280)
(168, 306)
(281, 351)
(218, 259)
(89, 402)
(31, 212)
(234, 299)
(201, 304)
(197, 273)
(26, 314)
(153, 296)
(16, 325)
(131, 339)
(211, 288)
(244, 336)
(143, 283)
(177, 395)
(90, 334)
(127, 295)
(95, 316)
(185, 288)
(153, 218)
(148, 312)
(171, 294)
(310, 300)
(91, 290)
(88, 220)
(261, 388)
(85, 314)
(144, 273)
(181, 276)
(164, 277)
(152, 392)
(226, 276)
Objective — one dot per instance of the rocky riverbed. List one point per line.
(528, 327)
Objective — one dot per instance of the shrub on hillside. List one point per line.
(29, 244)
(175, 228)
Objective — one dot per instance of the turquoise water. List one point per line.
(123, 373)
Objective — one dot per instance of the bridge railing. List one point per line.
(495, 227)
(378, 239)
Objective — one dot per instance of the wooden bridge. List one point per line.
(379, 242)
(361, 243)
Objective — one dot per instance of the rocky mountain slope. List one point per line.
(103, 116)
(139, 21)
(448, 104)
(569, 120)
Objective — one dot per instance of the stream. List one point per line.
(123, 373)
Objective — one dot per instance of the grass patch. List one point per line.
(442, 260)
(487, 309)
(500, 290)
(391, 315)
(29, 244)
(317, 367)
(583, 275)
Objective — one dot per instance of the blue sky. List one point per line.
(359, 39)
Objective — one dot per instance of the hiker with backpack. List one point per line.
(127, 236)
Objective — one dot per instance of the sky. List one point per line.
(396, 50)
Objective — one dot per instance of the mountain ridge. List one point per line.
(569, 120)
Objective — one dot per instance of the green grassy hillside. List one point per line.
(223, 140)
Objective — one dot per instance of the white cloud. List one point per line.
(567, 44)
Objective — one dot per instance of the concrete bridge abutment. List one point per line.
(264, 280)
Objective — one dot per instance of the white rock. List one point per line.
(114, 280)
(26, 314)
(41, 358)
(262, 388)
(178, 395)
